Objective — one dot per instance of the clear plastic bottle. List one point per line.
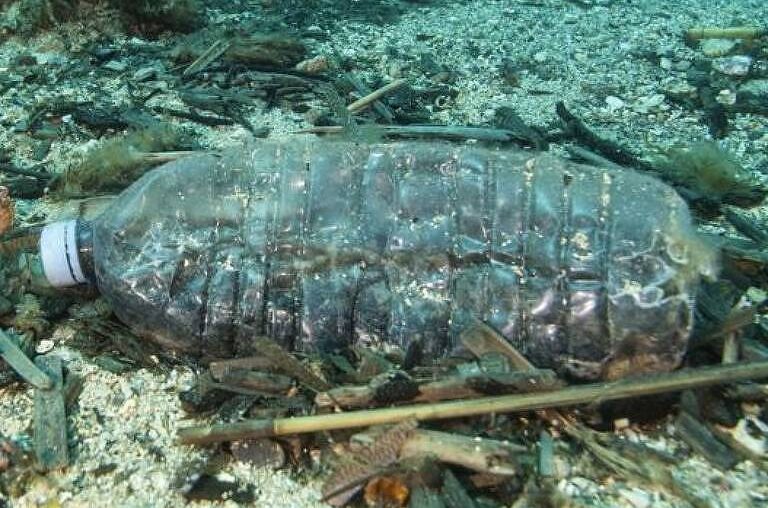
(321, 245)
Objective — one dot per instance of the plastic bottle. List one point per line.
(321, 245)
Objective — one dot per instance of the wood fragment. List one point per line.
(734, 32)
(288, 364)
(210, 55)
(345, 397)
(756, 452)
(579, 153)
(538, 380)
(478, 454)
(747, 392)
(364, 102)
(32, 173)
(754, 351)
(422, 497)
(50, 420)
(23, 366)
(382, 109)
(745, 225)
(546, 456)
(450, 388)
(583, 135)
(481, 339)
(507, 118)
(731, 348)
(258, 381)
(698, 436)
(208, 120)
(584, 394)
(454, 494)
(25, 187)
(458, 133)
(220, 368)
(163, 157)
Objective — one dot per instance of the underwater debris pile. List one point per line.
(391, 69)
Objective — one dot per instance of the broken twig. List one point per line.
(734, 32)
(481, 339)
(585, 394)
(424, 131)
(19, 362)
(372, 97)
(51, 418)
(478, 454)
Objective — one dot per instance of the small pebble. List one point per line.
(115, 65)
(145, 73)
(314, 65)
(737, 65)
(613, 103)
(44, 346)
(637, 498)
(649, 102)
(621, 423)
(726, 97)
(717, 47)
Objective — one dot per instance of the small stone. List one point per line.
(682, 65)
(313, 31)
(314, 65)
(621, 423)
(649, 102)
(637, 498)
(726, 97)
(259, 453)
(756, 88)
(665, 63)
(115, 65)
(44, 346)
(145, 73)
(737, 65)
(756, 295)
(717, 47)
(613, 103)
(540, 57)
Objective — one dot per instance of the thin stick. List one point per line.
(217, 49)
(735, 32)
(364, 102)
(481, 339)
(161, 157)
(19, 362)
(422, 131)
(585, 394)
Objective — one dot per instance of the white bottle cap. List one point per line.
(58, 251)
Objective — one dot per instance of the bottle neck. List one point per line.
(66, 252)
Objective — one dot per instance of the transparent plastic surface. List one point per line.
(322, 245)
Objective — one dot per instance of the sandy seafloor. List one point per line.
(611, 63)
